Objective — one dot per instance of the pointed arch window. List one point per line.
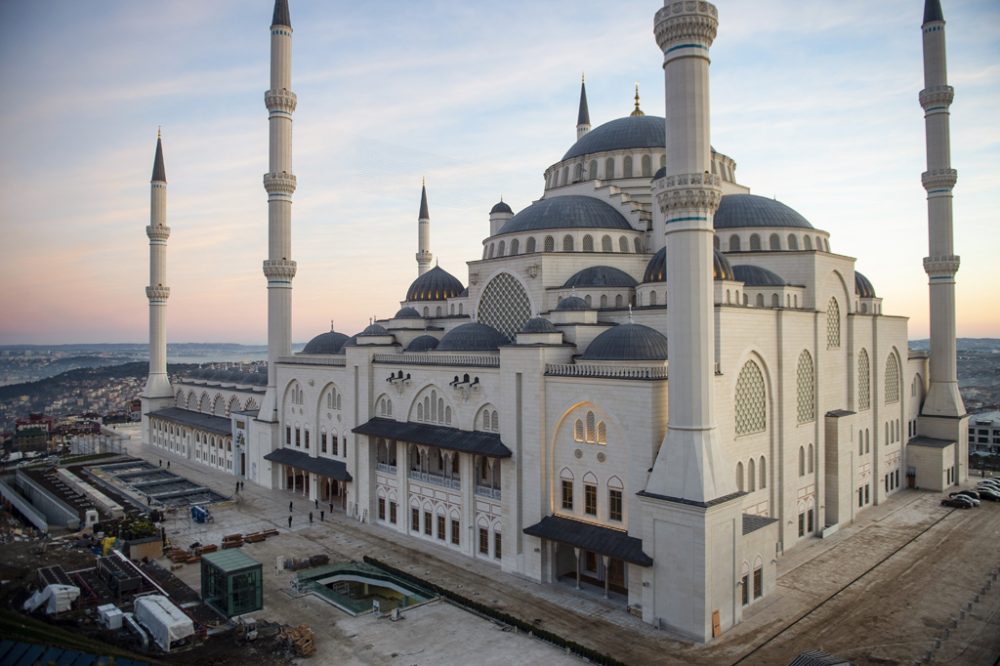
(833, 324)
(891, 379)
(751, 400)
(805, 378)
(864, 381)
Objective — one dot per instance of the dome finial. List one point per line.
(331, 326)
(637, 111)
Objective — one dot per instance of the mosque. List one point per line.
(653, 383)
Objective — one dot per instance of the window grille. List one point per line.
(504, 305)
(751, 402)
(806, 380)
(833, 324)
(864, 381)
(892, 379)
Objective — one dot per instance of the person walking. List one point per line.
(237, 486)
(317, 502)
(310, 516)
(289, 507)
(321, 514)
(289, 522)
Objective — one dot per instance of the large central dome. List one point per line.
(628, 132)
(566, 212)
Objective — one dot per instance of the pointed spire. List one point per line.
(932, 11)
(583, 117)
(281, 16)
(424, 213)
(159, 172)
(637, 111)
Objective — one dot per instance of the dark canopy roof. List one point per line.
(199, 420)
(323, 466)
(453, 439)
(603, 540)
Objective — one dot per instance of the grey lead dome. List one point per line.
(566, 212)
(472, 337)
(750, 210)
(628, 342)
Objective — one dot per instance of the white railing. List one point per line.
(473, 360)
(385, 467)
(486, 491)
(605, 371)
(436, 479)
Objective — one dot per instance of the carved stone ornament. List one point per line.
(532, 271)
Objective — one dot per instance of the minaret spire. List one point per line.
(424, 255)
(157, 393)
(583, 115)
(637, 111)
(279, 181)
(943, 406)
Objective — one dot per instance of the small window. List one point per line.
(392, 512)
(441, 528)
(530, 248)
(456, 533)
(415, 519)
(758, 583)
(484, 541)
(567, 243)
(567, 494)
(381, 508)
(550, 244)
(428, 523)
(588, 243)
(590, 499)
(497, 550)
(614, 505)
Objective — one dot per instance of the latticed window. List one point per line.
(806, 380)
(751, 401)
(864, 381)
(833, 324)
(892, 379)
(504, 305)
(578, 431)
(591, 428)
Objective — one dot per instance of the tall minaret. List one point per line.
(280, 184)
(939, 179)
(583, 115)
(157, 383)
(690, 512)
(424, 255)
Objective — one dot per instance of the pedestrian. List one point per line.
(237, 486)
(161, 463)
(289, 522)
(310, 516)
(168, 464)
(317, 503)
(331, 507)
(289, 507)
(241, 486)
(321, 514)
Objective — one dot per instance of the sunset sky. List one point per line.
(816, 101)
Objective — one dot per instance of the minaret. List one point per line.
(943, 409)
(690, 511)
(280, 184)
(157, 393)
(583, 116)
(157, 383)
(424, 255)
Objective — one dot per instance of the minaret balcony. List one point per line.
(283, 183)
(280, 100)
(158, 293)
(158, 232)
(939, 179)
(688, 191)
(947, 265)
(936, 96)
(686, 20)
(279, 269)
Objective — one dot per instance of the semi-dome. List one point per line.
(621, 133)
(750, 210)
(863, 286)
(656, 269)
(325, 343)
(407, 313)
(572, 303)
(501, 207)
(374, 329)
(472, 337)
(660, 173)
(628, 342)
(422, 343)
(572, 211)
(757, 276)
(436, 284)
(539, 325)
(600, 276)
(349, 342)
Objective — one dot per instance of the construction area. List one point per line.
(910, 582)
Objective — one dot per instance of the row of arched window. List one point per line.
(864, 380)
(498, 249)
(333, 398)
(384, 406)
(217, 406)
(606, 169)
(756, 473)
(605, 301)
(489, 420)
(806, 457)
(568, 501)
(775, 242)
(590, 431)
(433, 410)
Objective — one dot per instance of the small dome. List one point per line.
(572, 303)
(656, 269)
(422, 343)
(600, 276)
(756, 276)
(621, 133)
(472, 337)
(572, 211)
(863, 286)
(539, 325)
(501, 207)
(350, 342)
(660, 173)
(436, 284)
(407, 313)
(750, 210)
(628, 342)
(325, 343)
(374, 329)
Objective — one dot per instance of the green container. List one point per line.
(232, 582)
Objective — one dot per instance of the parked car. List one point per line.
(989, 494)
(968, 493)
(993, 483)
(958, 502)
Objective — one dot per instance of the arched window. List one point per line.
(591, 428)
(751, 401)
(754, 242)
(652, 297)
(808, 241)
(775, 242)
(578, 172)
(793, 242)
(627, 168)
(578, 430)
(647, 166)
(501, 248)
(734, 243)
(530, 248)
(891, 379)
(861, 442)
(604, 301)
(606, 244)
(587, 300)
(609, 168)
(638, 245)
(864, 381)
(515, 247)
(751, 476)
(567, 243)
(819, 243)
(739, 476)
(489, 255)
(775, 300)
(588, 243)
(833, 324)
(763, 473)
(602, 433)
(811, 458)
(759, 301)
(622, 244)
(618, 300)
(715, 242)
(592, 170)
(550, 244)
(802, 461)
(495, 422)
(805, 378)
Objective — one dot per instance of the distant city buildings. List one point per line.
(984, 433)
